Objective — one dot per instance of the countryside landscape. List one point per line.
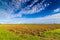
(29, 19)
(29, 31)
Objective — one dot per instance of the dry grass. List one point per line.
(32, 29)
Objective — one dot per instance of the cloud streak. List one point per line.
(28, 14)
(6, 18)
(53, 19)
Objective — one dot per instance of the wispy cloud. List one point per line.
(7, 18)
(57, 10)
(45, 20)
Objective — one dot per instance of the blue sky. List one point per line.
(30, 12)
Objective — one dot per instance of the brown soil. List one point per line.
(33, 29)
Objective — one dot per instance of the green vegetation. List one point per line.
(23, 32)
(29, 37)
(6, 35)
(51, 35)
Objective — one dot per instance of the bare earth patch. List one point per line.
(32, 29)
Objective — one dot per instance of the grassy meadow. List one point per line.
(29, 31)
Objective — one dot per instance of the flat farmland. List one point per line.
(31, 31)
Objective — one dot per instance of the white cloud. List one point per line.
(7, 17)
(43, 20)
(57, 10)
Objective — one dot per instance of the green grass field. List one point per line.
(46, 35)
(51, 35)
(6, 35)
